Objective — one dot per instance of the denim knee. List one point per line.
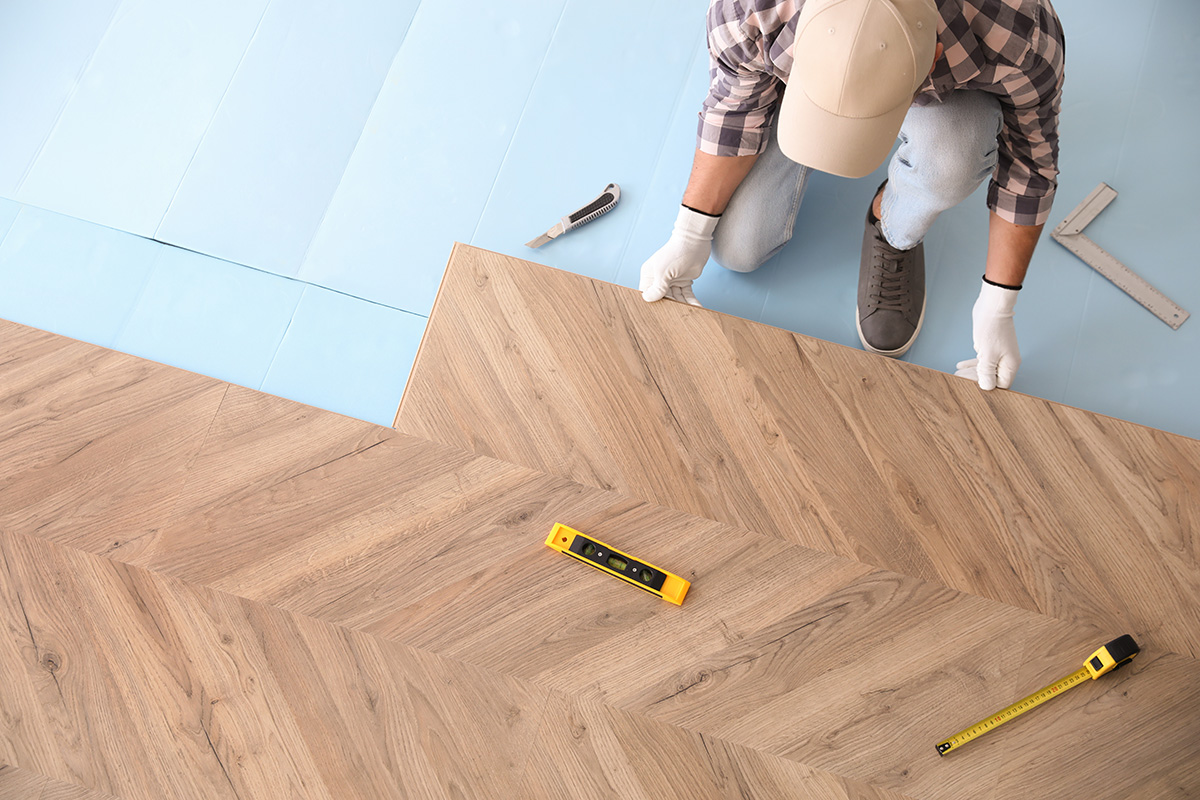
(953, 144)
(739, 253)
(946, 150)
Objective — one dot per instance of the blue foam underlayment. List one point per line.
(205, 315)
(321, 159)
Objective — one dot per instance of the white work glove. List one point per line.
(997, 354)
(671, 270)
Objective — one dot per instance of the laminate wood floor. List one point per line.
(1021, 500)
(19, 783)
(209, 592)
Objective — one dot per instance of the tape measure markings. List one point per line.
(1112, 656)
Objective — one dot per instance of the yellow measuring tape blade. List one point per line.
(1114, 655)
(1015, 710)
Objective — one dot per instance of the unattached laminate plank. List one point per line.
(1028, 502)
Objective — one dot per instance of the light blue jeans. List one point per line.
(946, 150)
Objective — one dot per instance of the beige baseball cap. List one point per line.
(856, 66)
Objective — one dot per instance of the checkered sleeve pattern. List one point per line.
(1012, 49)
(1030, 92)
(743, 95)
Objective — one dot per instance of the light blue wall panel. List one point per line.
(71, 277)
(44, 46)
(423, 169)
(209, 316)
(346, 355)
(597, 114)
(126, 137)
(272, 158)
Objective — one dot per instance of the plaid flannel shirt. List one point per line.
(1012, 49)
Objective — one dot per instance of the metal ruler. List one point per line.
(1069, 234)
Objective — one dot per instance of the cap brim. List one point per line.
(851, 148)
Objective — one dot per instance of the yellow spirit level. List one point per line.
(596, 553)
(1114, 655)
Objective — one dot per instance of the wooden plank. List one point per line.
(817, 659)
(95, 444)
(1024, 501)
(395, 606)
(781, 649)
(588, 750)
(163, 689)
(21, 784)
(100, 448)
(255, 444)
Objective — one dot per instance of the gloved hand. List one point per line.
(997, 355)
(671, 270)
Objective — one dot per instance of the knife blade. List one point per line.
(605, 202)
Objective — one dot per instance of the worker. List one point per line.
(971, 88)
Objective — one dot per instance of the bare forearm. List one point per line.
(1010, 248)
(714, 179)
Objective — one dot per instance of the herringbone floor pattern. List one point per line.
(207, 592)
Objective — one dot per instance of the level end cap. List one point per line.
(675, 589)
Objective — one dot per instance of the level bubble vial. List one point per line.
(634, 571)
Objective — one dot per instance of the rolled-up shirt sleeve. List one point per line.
(742, 96)
(1023, 185)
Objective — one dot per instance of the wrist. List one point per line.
(696, 224)
(698, 211)
(1000, 285)
(996, 299)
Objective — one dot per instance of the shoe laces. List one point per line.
(892, 280)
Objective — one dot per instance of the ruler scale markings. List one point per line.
(1088, 210)
(1112, 656)
(1069, 234)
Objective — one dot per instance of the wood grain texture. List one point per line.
(94, 444)
(588, 750)
(19, 784)
(1020, 500)
(318, 607)
(165, 689)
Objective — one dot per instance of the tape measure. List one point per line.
(595, 553)
(1069, 234)
(1114, 655)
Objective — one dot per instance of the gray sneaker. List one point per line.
(891, 293)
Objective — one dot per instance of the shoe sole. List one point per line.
(890, 353)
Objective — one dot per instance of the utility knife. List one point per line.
(606, 202)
